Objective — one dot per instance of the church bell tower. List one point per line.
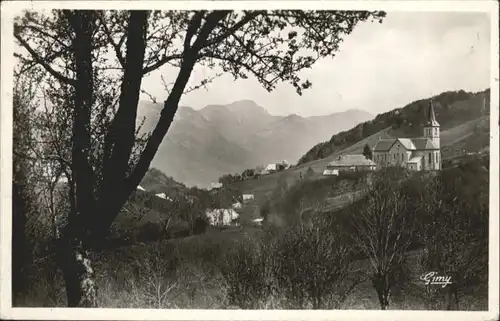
(431, 129)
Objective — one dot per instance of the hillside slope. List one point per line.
(452, 109)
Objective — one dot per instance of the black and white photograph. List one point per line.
(249, 160)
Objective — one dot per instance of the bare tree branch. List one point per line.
(43, 62)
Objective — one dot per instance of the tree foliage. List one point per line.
(92, 64)
(98, 59)
(367, 152)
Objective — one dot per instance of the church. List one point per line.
(418, 154)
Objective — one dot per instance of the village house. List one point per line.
(270, 168)
(418, 154)
(248, 197)
(215, 186)
(222, 217)
(237, 206)
(276, 167)
(164, 196)
(351, 163)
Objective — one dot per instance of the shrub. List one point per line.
(200, 225)
(383, 227)
(453, 227)
(244, 272)
(312, 268)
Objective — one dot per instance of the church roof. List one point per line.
(423, 143)
(431, 117)
(384, 145)
(415, 159)
(407, 143)
(352, 160)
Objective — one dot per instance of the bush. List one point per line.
(303, 267)
(244, 272)
(200, 225)
(312, 268)
(453, 228)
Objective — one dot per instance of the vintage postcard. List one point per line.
(253, 160)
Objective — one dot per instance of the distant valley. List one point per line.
(201, 145)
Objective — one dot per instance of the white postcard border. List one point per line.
(9, 9)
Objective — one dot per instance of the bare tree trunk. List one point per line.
(381, 285)
(21, 250)
(73, 260)
(452, 301)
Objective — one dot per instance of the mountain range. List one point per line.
(202, 145)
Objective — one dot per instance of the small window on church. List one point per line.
(430, 158)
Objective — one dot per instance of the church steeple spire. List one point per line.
(431, 117)
(431, 128)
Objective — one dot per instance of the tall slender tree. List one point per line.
(98, 60)
(367, 152)
(383, 228)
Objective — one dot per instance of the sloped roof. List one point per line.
(163, 195)
(384, 145)
(422, 143)
(352, 160)
(407, 143)
(415, 159)
(330, 172)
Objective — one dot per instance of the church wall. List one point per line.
(393, 157)
(379, 158)
(398, 154)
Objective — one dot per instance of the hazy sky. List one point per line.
(379, 67)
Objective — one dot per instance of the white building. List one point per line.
(271, 168)
(331, 172)
(222, 216)
(258, 221)
(350, 163)
(422, 153)
(237, 205)
(163, 195)
(215, 186)
(248, 197)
